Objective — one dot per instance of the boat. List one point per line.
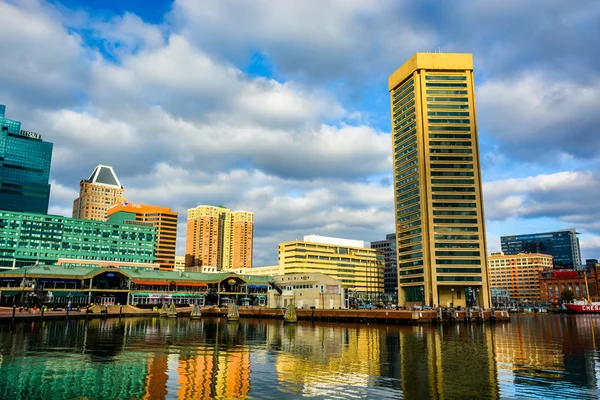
(584, 306)
(290, 315)
(196, 314)
(172, 313)
(233, 315)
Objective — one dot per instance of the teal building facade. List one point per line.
(24, 168)
(28, 238)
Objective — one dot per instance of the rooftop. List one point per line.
(105, 175)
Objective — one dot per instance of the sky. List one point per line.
(281, 107)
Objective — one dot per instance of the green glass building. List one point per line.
(24, 168)
(27, 238)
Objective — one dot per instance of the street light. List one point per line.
(452, 290)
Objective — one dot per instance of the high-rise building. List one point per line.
(162, 218)
(390, 272)
(562, 245)
(440, 229)
(27, 238)
(518, 273)
(97, 193)
(218, 237)
(24, 168)
(359, 268)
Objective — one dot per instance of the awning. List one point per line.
(261, 297)
(137, 282)
(10, 293)
(258, 286)
(246, 299)
(140, 294)
(195, 284)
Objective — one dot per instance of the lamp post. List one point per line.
(422, 297)
(25, 270)
(452, 290)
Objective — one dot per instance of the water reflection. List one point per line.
(534, 356)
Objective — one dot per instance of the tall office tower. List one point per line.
(24, 168)
(390, 273)
(162, 218)
(218, 237)
(439, 208)
(563, 246)
(101, 190)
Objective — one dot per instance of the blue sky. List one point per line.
(281, 107)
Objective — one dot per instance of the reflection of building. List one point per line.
(219, 237)
(562, 245)
(162, 218)
(439, 208)
(554, 282)
(390, 273)
(307, 290)
(101, 190)
(32, 238)
(357, 267)
(24, 168)
(519, 273)
(306, 363)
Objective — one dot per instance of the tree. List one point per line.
(567, 296)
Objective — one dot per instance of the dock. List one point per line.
(383, 316)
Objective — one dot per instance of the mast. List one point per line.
(587, 289)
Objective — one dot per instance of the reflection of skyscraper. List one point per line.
(156, 379)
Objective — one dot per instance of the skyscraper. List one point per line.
(440, 227)
(24, 168)
(163, 219)
(563, 246)
(101, 190)
(219, 237)
(390, 273)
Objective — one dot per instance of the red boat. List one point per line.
(583, 307)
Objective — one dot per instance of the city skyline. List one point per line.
(301, 138)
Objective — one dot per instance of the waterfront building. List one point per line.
(306, 291)
(359, 268)
(70, 262)
(518, 273)
(554, 282)
(110, 286)
(179, 263)
(27, 238)
(219, 237)
(97, 193)
(268, 270)
(562, 245)
(162, 218)
(390, 272)
(24, 168)
(440, 227)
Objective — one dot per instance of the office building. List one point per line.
(309, 290)
(440, 231)
(518, 273)
(27, 238)
(24, 168)
(218, 237)
(179, 263)
(359, 268)
(390, 272)
(97, 193)
(562, 245)
(162, 218)
(582, 282)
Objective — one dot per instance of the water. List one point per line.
(534, 356)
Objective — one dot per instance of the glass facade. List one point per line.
(24, 168)
(390, 272)
(563, 246)
(26, 238)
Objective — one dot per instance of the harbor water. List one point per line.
(533, 356)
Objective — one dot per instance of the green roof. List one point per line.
(88, 272)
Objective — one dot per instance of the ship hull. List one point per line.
(583, 308)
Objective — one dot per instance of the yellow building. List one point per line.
(269, 270)
(518, 273)
(441, 245)
(360, 269)
(307, 290)
(162, 218)
(97, 193)
(179, 263)
(219, 237)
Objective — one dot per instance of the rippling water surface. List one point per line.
(534, 356)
